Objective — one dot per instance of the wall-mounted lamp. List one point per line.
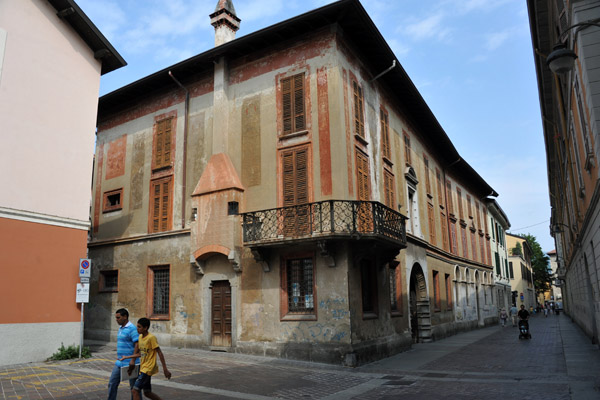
(562, 59)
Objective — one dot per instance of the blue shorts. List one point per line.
(143, 383)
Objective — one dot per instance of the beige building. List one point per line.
(566, 42)
(287, 193)
(520, 271)
(498, 225)
(51, 59)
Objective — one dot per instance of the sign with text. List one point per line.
(83, 293)
(85, 267)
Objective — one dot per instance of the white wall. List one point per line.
(26, 344)
(48, 103)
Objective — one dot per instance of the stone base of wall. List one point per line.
(452, 328)
(339, 354)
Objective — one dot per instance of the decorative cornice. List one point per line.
(37, 218)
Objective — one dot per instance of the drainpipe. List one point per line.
(384, 72)
(185, 134)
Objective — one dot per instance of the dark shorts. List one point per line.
(143, 383)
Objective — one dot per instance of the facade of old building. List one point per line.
(570, 100)
(287, 193)
(555, 293)
(498, 225)
(520, 271)
(51, 59)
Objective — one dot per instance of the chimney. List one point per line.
(225, 21)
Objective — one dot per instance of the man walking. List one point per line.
(126, 340)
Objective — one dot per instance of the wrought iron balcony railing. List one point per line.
(324, 219)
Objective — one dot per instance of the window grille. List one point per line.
(160, 298)
(109, 281)
(300, 285)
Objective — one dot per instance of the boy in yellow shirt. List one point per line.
(147, 348)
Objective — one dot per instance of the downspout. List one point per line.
(384, 72)
(185, 135)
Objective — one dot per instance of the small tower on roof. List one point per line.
(225, 21)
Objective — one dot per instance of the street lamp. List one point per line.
(562, 59)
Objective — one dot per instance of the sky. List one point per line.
(471, 60)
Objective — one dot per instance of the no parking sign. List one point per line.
(85, 267)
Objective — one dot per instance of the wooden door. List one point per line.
(295, 192)
(221, 314)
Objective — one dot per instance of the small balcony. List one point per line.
(323, 221)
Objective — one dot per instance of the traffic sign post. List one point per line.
(82, 294)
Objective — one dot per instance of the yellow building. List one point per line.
(520, 271)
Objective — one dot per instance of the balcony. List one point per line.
(325, 220)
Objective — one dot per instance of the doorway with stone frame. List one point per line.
(420, 314)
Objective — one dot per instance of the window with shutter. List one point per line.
(448, 292)
(407, 149)
(162, 144)
(292, 95)
(365, 217)
(295, 191)
(427, 181)
(437, 300)
(388, 188)
(161, 199)
(450, 201)
(385, 135)
(438, 179)
(459, 203)
(444, 231)
(359, 119)
(431, 220)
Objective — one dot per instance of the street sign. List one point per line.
(83, 293)
(85, 267)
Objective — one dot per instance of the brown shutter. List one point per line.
(385, 135)
(286, 93)
(299, 124)
(162, 149)
(292, 95)
(295, 191)
(388, 188)
(362, 171)
(359, 121)
(161, 205)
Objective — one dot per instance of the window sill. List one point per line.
(370, 315)
(395, 314)
(361, 139)
(388, 161)
(292, 135)
(110, 210)
(108, 291)
(159, 318)
(299, 317)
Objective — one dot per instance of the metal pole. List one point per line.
(81, 333)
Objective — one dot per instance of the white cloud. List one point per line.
(497, 39)
(430, 27)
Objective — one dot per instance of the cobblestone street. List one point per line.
(558, 363)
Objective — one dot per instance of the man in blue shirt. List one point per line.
(126, 340)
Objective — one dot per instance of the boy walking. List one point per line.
(147, 348)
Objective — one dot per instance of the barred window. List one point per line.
(299, 273)
(109, 281)
(159, 285)
(368, 275)
(395, 289)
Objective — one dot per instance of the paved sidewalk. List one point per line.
(492, 363)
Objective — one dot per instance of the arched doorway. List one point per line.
(420, 317)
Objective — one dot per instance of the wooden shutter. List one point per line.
(161, 205)
(385, 134)
(407, 149)
(427, 181)
(365, 217)
(359, 119)
(295, 191)
(388, 188)
(293, 113)
(431, 219)
(162, 148)
(444, 231)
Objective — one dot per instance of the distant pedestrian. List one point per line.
(546, 311)
(503, 317)
(127, 338)
(147, 348)
(553, 308)
(513, 314)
